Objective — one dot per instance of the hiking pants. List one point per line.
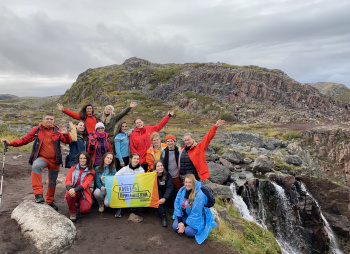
(38, 165)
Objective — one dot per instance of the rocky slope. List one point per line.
(242, 93)
(337, 91)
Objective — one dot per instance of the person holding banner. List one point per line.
(140, 137)
(153, 153)
(106, 168)
(165, 189)
(78, 182)
(192, 155)
(134, 167)
(191, 216)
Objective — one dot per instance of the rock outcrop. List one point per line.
(49, 231)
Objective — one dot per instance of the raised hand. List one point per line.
(133, 104)
(60, 106)
(220, 123)
(63, 129)
(171, 112)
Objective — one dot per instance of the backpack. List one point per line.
(210, 195)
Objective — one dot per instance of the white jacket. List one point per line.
(129, 171)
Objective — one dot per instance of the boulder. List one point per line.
(262, 164)
(215, 215)
(293, 160)
(209, 151)
(48, 230)
(223, 192)
(269, 146)
(232, 156)
(226, 164)
(247, 138)
(218, 173)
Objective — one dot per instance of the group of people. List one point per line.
(96, 151)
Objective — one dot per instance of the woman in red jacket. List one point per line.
(86, 114)
(140, 138)
(78, 182)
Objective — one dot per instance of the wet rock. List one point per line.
(262, 164)
(48, 230)
(232, 156)
(242, 176)
(223, 192)
(218, 173)
(293, 160)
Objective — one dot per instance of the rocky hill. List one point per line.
(7, 96)
(337, 91)
(236, 93)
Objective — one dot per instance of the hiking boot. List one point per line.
(53, 206)
(39, 198)
(73, 217)
(118, 213)
(164, 221)
(101, 207)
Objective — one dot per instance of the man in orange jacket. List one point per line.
(46, 153)
(192, 155)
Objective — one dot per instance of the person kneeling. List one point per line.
(190, 214)
(165, 189)
(78, 182)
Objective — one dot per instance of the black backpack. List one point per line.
(210, 195)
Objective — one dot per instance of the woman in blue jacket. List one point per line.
(190, 214)
(121, 144)
(106, 168)
(79, 136)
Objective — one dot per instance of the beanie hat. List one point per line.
(99, 124)
(170, 136)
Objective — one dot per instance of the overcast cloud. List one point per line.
(45, 45)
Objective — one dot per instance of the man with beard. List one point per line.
(46, 153)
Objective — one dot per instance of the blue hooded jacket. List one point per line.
(99, 183)
(199, 216)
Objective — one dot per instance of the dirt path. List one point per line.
(96, 233)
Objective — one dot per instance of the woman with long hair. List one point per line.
(85, 114)
(106, 168)
(109, 119)
(165, 189)
(121, 145)
(78, 182)
(79, 136)
(191, 216)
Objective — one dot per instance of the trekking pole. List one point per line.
(3, 170)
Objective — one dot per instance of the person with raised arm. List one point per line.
(109, 119)
(85, 114)
(192, 155)
(46, 152)
(140, 138)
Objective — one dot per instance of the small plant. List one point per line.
(291, 134)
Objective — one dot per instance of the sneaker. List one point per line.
(118, 213)
(73, 217)
(53, 206)
(101, 207)
(164, 221)
(39, 198)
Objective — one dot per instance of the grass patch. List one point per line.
(10, 135)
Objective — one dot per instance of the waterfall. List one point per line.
(239, 203)
(334, 249)
(286, 225)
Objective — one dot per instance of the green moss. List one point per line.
(164, 74)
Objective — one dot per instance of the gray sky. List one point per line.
(45, 45)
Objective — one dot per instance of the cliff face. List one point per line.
(332, 149)
(242, 91)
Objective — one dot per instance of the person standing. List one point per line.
(46, 152)
(121, 146)
(192, 155)
(170, 158)
(140, 138)
(79, 137)
(85, 114)
(154, 151)
(109, 119)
